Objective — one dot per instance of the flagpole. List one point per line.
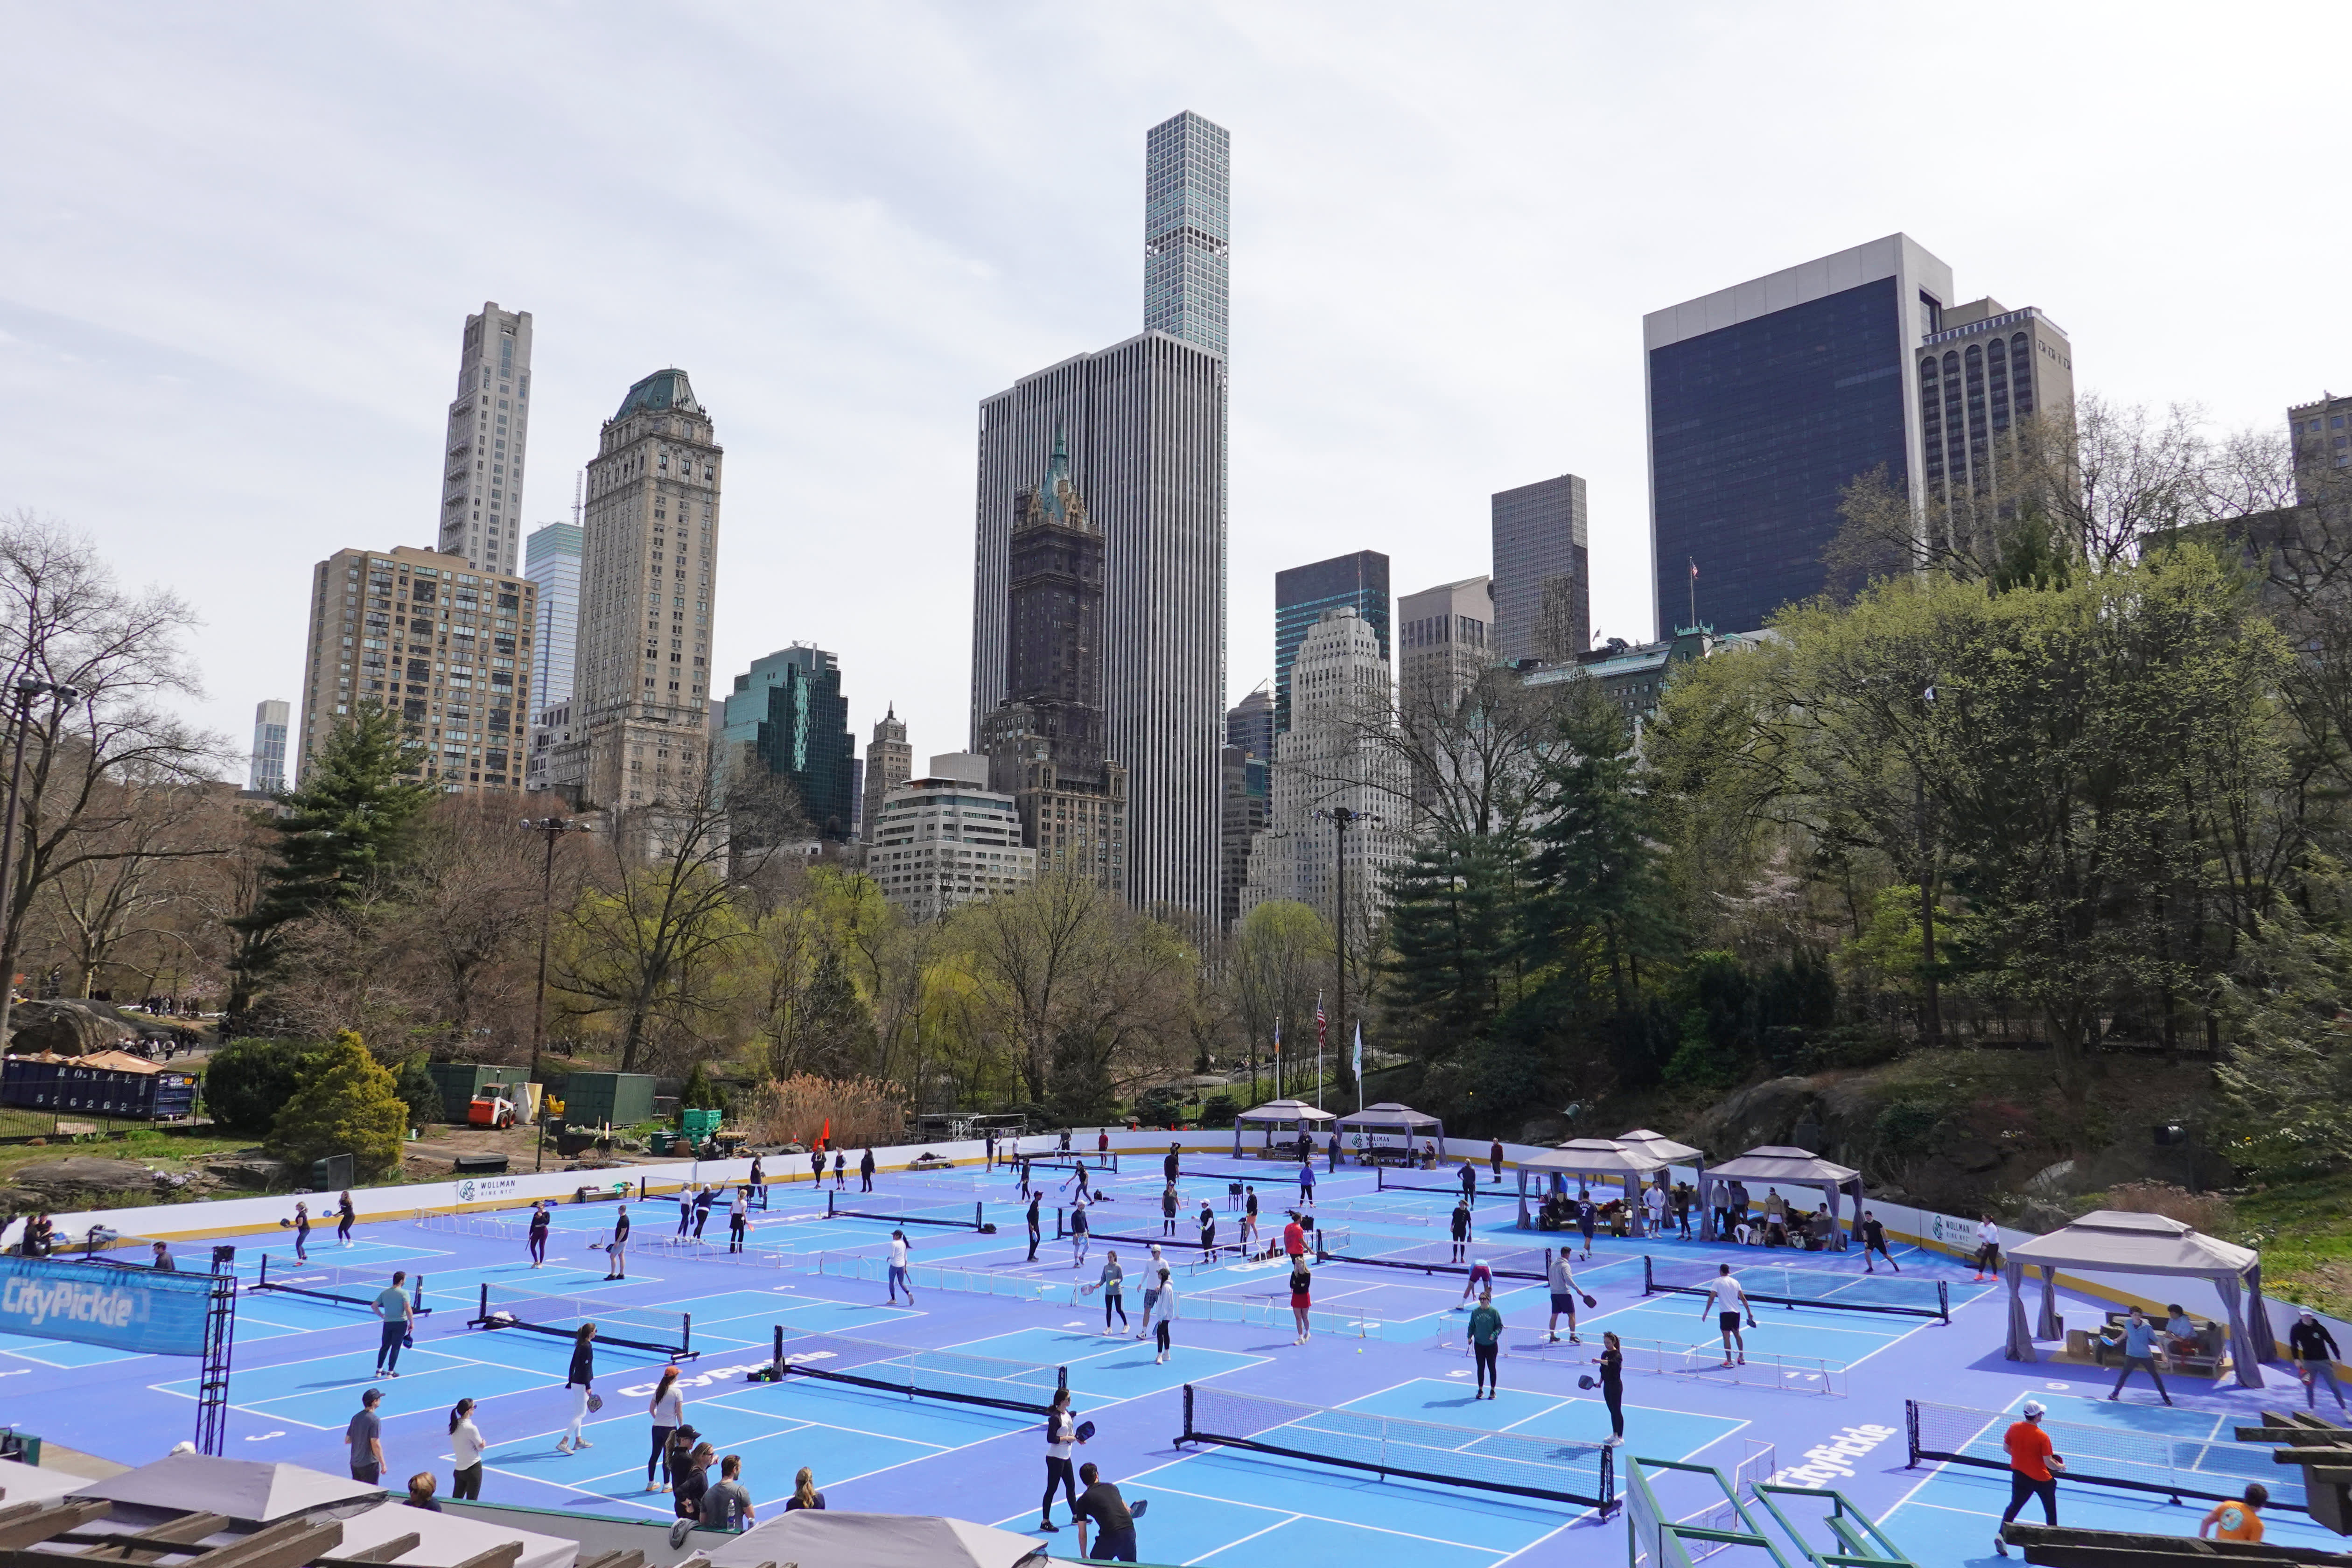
(1693, 593)
(1318, 1051)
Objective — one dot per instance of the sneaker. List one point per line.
(1049, 1527)
(580, 1443)
(563, 1444)
(1999, 1545)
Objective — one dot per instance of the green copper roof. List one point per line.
(662, 389)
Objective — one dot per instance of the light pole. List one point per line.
(1342, 818)
(27, 687)
(550, 828)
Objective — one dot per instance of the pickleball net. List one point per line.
(882, 1206)
(345, 1286)
(1903, 1295)
(1555, 1468)
(1437, 1257)
(992, 1381)
(2176, 1465)
(655, 1329)
(1386, 1180)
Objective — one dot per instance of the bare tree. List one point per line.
(127, 878)
(65, 622)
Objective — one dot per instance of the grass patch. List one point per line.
(2304, 1230)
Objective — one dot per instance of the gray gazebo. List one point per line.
(1291, 1116)
(1389, 1120)
(1776, 1165)
(2113, 1242)
(1609, 1159)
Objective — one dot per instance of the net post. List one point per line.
(416, 1302)
(1647, 1286)
(979, 1214)
(1943, 1302)
(483, 1314)
(1062, 1379)
(263, 1282)
(1911, 1433)
(1608, 1483)
(828, 1205)
(1187, 1435)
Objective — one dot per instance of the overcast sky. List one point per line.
(239, 244)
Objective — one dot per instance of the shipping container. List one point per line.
(596, 1099)
(461, 1082)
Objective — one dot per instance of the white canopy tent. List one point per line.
(30, 1483)
(843, 1540)
(253, 1491)
(1777, 1165)
(2115, 1242)
(447, 1539)
(1389, 1120)
(1609, 1159)
(1291, 1116)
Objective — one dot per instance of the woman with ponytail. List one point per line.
(668, 1411)
(466, 1448)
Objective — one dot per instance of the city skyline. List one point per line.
(902, 271)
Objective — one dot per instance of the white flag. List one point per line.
(1359, 1065)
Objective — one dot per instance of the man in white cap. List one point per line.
(2033, 1469)
(2315, 1353)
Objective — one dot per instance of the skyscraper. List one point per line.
(1542, 585)
(890, 762)
(1984, 369)
(1248, 762)
(268, 775)
(1187, 229)
(1444, 639)
(1302, 593)
(551, 560)
(1144, 426)
(640, 701)
(787, 715)
(448, 649)
(1765, 401)
(2320, 436)
(481, 480)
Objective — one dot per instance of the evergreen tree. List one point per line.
(348, 822)
(699, 1093)
(419, 1092)
(1454, 940)
(347, 1104)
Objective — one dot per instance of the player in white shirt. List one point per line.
(899, 1247)
(1988, 1249)
(1656, 1200)
(1729, 1302)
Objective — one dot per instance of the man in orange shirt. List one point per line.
(2030, 1464)
(2237, 1520)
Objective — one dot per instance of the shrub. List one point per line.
(247, 1082)
(419, 1092)
(2206, 1211)
(699, 1093)
(796, 1110)
(345, 1104)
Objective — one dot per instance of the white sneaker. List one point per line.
(562, 1446)
(580, 1444)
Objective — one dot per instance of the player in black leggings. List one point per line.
(1613, 1384)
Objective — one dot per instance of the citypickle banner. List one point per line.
(99, 1304)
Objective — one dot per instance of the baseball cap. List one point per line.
(2032, 1409)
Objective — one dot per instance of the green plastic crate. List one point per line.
(699, 1125)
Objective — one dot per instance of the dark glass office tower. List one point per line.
(1765, 401)
(1302, 593)
(787, 713)
(1542, 585)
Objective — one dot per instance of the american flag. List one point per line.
(1318, 1023)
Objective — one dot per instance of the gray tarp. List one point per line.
(1292, 1116)
(447, 1539)
(1592, 1157)
(1777, 1165)
(253, 1491)
(842, 1539)
(2111, 1241)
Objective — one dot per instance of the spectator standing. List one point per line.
(537, 1239)
(2140, 1352)
(988, 1141)
(1102, 1142)
(667, 1409)
(1654, 1199)
(1169, 1166)
(1459, 1226)
(1988, 1249)
(2030, 1464)
(1079, 1231)
(1469, 1182)
(578, 1382)
(805, 1492)
(816, 1166)
(689, 1480)
(1167, 1209)
(864, 1177)
(728, 1505)
(840, 1170)
(365, 1436)
(466, 1447)
(2315, 1353)
(1494, 1158)
(1208, 1224)
(1114, 1522)
(616, 1251)
(1613, 1384)
(392, 1306)
(1035, 1224)
(1165, 1308)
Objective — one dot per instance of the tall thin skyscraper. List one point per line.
(551, 559)
(1188, 229)
(1542, 582)
(270, 720)
(1765, 401)
(641, 690)
(1302, 593)
(481, 480)
(890, 762)
(1144, 422)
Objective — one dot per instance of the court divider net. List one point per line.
(1384, 1182)
(326, 1282)
(1554, 1469)
(995, 1381)
(2176, 1465)
(1782, 1285)
(657, 1328)
(1442, 1256)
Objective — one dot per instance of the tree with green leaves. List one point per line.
(345, 1103)
(348, 823)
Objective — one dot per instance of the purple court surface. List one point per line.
(1820, 1401)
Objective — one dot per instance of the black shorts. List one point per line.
(1563, 1301)
(1727, 1323)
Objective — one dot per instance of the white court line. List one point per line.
(1133, 1478)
